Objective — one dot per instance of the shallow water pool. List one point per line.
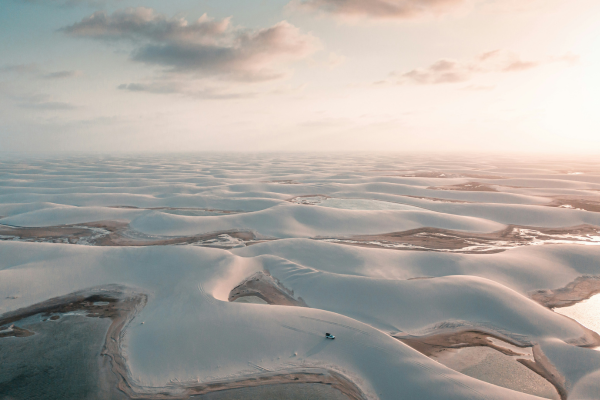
(587, 313)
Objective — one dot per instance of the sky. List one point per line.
(300, 75)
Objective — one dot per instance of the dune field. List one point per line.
(218, 277)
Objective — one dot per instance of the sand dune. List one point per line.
(315, 246)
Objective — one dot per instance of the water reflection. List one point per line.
(587, 313)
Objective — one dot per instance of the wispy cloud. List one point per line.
(36, 70)
(20, 68)
(453, 71)
(205, 47)
(378, 9)
(62, 74)
(41, 102)
(185, 89)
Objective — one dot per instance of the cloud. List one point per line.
(33, 100)
(62, 74)
(183, 88)
(21, 68)
(41, 102)
(453, 71)
(34, 69)
(205, 47)
(48, 105)
(379, 9)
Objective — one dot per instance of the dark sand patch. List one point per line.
(72, 234)
(117, 233)
(586, 203)
(443, 240)
(318, 376)
(544, 367)
(579, 290)
(466, 187)
(438, 200)
(441, 174)
(309, 199)
(110, 302)
(288, 391)
(267, 288)
(189, 211)
(14, 331)
(415, 173)
(438, 344)
(434, 345)
(284, 182)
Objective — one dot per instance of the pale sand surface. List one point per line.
(198, 244)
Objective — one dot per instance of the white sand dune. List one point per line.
(189, 333)
(306, 221)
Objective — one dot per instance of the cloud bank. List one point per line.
(453, 71)
(205, 47)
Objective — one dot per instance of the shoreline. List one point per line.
(121, 305)
(434, 345)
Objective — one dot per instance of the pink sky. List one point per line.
(310, 75)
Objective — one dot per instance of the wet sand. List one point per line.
(436, 199)
(266, 288)
(92, 323)
(284, 182)
(434, 239)
(435, 344)
(288, 391)
(586, 312)
(116, 233)
(62, 357)
(308, 199)
(579, 290)
(543, 367)
(466, 187)
(61, 361)
(439, 174)
(492, 366)
(189, 211)
(587, 203)
(14, 331)
(440, 344)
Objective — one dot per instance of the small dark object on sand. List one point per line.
(329, 336)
